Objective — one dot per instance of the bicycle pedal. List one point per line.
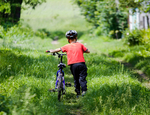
(68, 84)
(51, 90)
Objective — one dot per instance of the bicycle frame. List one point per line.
(60, 77)
(60, 72)
(60, 82)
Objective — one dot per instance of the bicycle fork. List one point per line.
(60, 78)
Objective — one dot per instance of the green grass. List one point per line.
(112, 89)
(27, 72)
(138, 56)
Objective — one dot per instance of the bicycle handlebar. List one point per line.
(59, 54)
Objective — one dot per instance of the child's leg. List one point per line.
(77, 85)
(82, 78)
(76, 78)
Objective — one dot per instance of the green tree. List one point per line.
(10, 10)
(145, 5)
(142, 5)
(88, 9)
(130, 3)
(4, 11)
(104, 14)
(112, 19)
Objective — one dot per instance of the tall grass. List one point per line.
(25, 82)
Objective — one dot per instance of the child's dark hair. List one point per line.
(71, 34)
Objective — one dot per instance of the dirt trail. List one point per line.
(141, 76)
(55, 42)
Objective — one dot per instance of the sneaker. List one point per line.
(78, 95)
(51, 90)
(83, 93)
(64, 91)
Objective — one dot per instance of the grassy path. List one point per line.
(112, 89)
(111, 70)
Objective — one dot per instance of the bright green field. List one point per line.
(27, 72)
(55, 15)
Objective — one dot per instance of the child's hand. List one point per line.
(47, 51)
(53, 51)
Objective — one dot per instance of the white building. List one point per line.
(139, 20)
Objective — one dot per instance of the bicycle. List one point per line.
(60, 82)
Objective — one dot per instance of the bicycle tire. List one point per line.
(60, 88)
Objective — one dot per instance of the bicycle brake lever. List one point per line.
(53, 54)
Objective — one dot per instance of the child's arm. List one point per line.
(56, 50)
(87, 51)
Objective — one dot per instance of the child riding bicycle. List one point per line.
(76, 61)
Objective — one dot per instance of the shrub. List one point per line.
(104, 14)
(98, 31)
(2, 32)
(146, 38)
(40, 34)
(133, 37)
(3, 104)
(18, 32)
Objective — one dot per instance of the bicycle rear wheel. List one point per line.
(60, 88)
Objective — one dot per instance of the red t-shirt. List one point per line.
(74, 52)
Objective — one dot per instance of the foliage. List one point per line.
(111, 18)
(105, 14)
(15, 34)
(5, 7)
(130, 3)
(4, 101)
(33, 3)
(146, 38)
(137, 37)
(88, 8)
(143, 5)
(5, 4)
(2, 32)
(133, 37)
(10, 10)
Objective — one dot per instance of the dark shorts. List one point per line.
(79, 71)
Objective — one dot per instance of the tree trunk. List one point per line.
(15, 10)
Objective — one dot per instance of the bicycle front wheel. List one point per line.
(60, 88)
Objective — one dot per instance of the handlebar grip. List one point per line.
(47, 51)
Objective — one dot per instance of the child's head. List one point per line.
(71, 34)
